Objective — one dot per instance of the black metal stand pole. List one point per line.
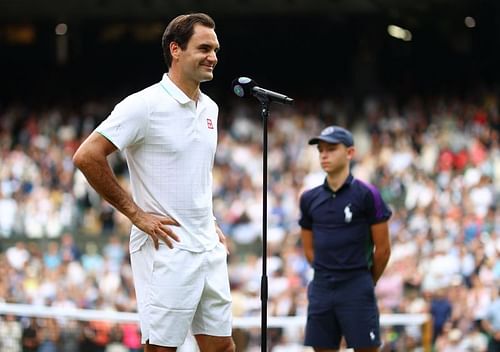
(264, 104)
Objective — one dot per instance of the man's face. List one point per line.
(334, 157)
(198, 60)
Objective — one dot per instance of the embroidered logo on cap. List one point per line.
(328, 130)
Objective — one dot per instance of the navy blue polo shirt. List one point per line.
(340, 222)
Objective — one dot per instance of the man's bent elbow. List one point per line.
(79, 159)
(83, 158)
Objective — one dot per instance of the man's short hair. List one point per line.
(180, 30)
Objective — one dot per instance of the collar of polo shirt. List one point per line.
(174, 91)
(347, 182)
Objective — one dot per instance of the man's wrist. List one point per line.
(135, 214)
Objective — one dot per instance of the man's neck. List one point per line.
(190, 88)
(336, 180)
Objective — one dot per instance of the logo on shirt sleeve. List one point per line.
(348, 213)
(210, 125)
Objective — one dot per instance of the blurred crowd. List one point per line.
(436, 161)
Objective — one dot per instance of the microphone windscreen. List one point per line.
(242, 86)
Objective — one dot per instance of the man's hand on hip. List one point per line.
(158, 227)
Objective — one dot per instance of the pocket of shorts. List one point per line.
(319, 299)
(315, 290)
(171, 289)
(163, 260)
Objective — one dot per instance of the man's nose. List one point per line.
(212, 57)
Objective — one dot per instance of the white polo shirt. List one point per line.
(169, 142)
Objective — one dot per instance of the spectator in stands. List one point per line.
(131, 337)
(440, 309)
(69, 336)
(69, 249)
(48, 335)
(18, 255)
(30, 340)
(10, 334)
(491, 324)
(52, 258)
(92, 261)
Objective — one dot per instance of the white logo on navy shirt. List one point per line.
(348, 213)
(372, 335)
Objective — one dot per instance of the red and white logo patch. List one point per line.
(210, 124)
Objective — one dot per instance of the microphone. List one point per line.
(244, 87)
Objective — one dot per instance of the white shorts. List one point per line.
(178, 290)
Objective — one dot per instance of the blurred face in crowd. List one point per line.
(197, 61)
(334, 158)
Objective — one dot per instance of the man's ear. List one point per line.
(175, 50)
(350, 152)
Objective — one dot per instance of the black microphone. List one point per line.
(244, 87)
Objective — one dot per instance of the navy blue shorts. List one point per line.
(347, 308)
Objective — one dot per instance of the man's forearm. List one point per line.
(309, 255)
(102, 179)
(380, 260)
(306, 236)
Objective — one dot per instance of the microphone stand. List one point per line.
(264, 105)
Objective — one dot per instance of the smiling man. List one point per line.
(168, 133)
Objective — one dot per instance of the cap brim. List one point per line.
(316, 140)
